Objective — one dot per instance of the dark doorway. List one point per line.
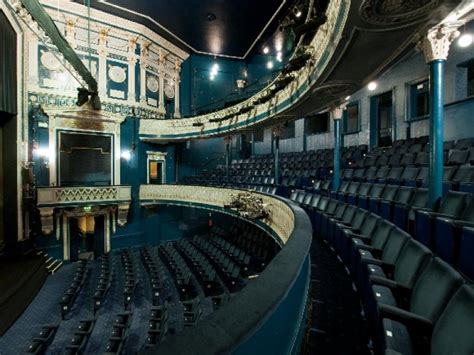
(381, 120)
(155, 172)
(86, 235)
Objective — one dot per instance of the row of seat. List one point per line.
(158, 325)
(43, 339)
(238, 255)
(228, 269)
(205, 272)
(444, 229)
(192, 311)
(79, 339)
(130, 282)
(119, 335)
(180, 271)
(67, 300)
(156, 274)
(415, 302)
(103, 285)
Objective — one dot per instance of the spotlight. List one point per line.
(298, 13)
(82, 96)
(372, 86)
(269, 64)
(465, 40)
(266, 50)
(126, 155)
(348, 98)
(296, 63)
(198, 124)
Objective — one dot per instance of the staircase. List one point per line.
(52, 264)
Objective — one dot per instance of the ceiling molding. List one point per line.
(186, 44)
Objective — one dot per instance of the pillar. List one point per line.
(276, 137)
(177, 111)
(227, 141)
(435, 46)
(336, 114)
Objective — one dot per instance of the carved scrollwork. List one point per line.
(389, 12)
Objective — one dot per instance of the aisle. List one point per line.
(337, 323)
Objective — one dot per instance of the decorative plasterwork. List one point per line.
(321, 49)
(58, 196)
(71, 201)
(281, 218)
(337, 111)
(386, 12)
(435, 44)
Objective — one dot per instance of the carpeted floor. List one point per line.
(338, 327)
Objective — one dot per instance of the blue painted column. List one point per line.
(227, 159)
(336, 179)
(436, 130)
(277, 159)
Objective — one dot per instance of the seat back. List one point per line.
(453, 332)
(371, 172)
(412, 260)
(410, 173)
(420, 198)
(331, 206)
(364, 189)
(464, 174)
(466, 251)
(453, 203)
(395, 242)
(359, 218)
(353, 187)
(344, 186)
(381, 234)
(403, 195)
(315, 200)
(369, 225)
(323, 203)
(382, 172)
(434, 288)
(389, 192)
(349, 214)
(376, 191)
(300, 197)
(307, 199)
(339, 209)
(395, 173)
(468, 211)
(293, 196)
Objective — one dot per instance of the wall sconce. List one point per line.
(45, 155)
(126, 155)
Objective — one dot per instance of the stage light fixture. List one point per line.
(266, 50)
(465, 40)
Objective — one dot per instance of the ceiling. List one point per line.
(218, 27)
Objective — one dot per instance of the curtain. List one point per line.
(7, 66)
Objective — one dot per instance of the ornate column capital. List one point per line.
(277, 130)
(336, 111)
(435, 44)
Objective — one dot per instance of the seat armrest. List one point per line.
(367, 261)
(414, 322)
(382, 281)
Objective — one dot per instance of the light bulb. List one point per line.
(465, 40)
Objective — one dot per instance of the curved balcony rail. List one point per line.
(284, 92)
(268, 315)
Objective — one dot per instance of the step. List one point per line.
(58, 264)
